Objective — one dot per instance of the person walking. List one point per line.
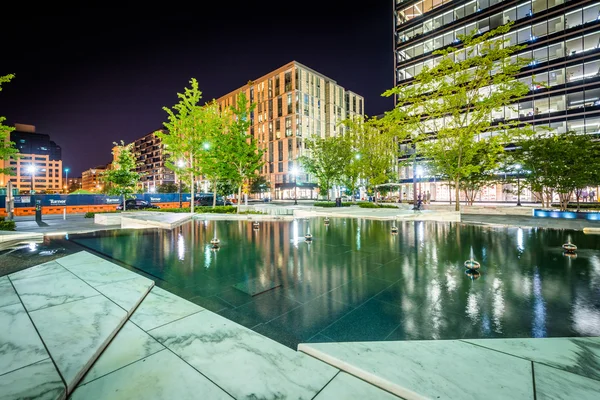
(592, 196)
(584, 194)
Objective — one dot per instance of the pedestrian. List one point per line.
(428, 198)
(584, 194)
(592, 196)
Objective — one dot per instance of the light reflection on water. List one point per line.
(411, 285)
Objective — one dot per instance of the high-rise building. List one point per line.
(151, 158)
(38, 167)
(293, 103)
(562, 39)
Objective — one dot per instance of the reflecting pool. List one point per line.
(357, 281)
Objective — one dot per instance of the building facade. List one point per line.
(91, 179)
(151, 159)
(293, 103)
(38, 167)
(562, 39)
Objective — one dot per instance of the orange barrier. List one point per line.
(24, 211)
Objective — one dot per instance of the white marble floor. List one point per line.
(548, 368)
(57, 318)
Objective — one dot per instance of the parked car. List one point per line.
(206, 199)
(136, 204)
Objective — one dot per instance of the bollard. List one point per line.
(64, 212)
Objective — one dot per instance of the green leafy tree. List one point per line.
(170, 187)
(259, 184)
(559, 163)
(122, 178)
(352, 170)
(7, 149)
(325, 161)
(377, 154)
(446, 111)
(189, 128)
(241, 152)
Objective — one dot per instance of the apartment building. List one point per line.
(151, 159)
(294, 103)
(562, 39)
(91, 179)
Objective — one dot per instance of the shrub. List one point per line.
(252, 212)
(582, 206)
(7, 225)
(90, 214)
(373, 205)
(329, 204)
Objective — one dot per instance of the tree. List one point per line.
(189, 127)
(170, 187)
(241, 152)
(352, 170)
(122, 178)
(562, 163)
(7, 149)
(325, 161)
(446, 111)
(377, 154)
(259, 184)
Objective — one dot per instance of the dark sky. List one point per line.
(92, 78)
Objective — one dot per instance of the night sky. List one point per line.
(92, 78)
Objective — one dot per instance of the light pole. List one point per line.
(180, 164)
(67, 179)
(31, 170)
(295, 173)
(518, 168)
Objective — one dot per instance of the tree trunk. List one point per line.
(214, 194)
(577, 197)
(239, 200)
(457, 194)
(124, 203)
(192, 198)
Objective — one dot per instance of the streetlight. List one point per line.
(31, 170)
(67, 179)
(295, 173)
(518, 168)
(180, 164)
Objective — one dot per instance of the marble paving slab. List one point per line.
(161, 307)
(347, 387)
(554, 384)
(256, 286)
(131, 344)
(577, 355)
(47, 268)
(129, 293)
(79, 258)
(51, 290)
(100, 273)
(75, 333)
(20, 344)
(38, 381)
(242, 362)
(430, 369)
(161, 376)
(8, 295)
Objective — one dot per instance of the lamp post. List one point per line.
(31, 170)
(180, 164)
(67, 179)
(518, 168)
(295, 173)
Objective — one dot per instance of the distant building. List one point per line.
(293, 103)
(38, 167)
(151, 159)
(91, 179)
(74, 184)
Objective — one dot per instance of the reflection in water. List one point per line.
(539, 308)
(412, 283)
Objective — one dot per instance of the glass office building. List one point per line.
(562, 39)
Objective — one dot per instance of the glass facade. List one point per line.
(562, 41)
